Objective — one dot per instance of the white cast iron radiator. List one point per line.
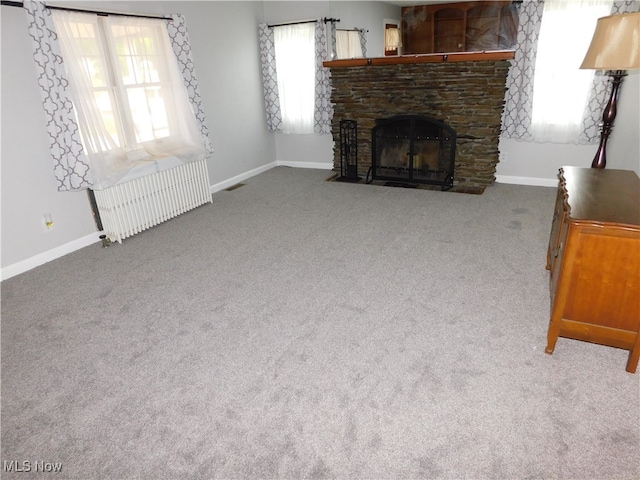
(129, 208)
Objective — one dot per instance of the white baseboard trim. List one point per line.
(44, 257)
(279, 163)
(243, 176)
(532, 181)
(316, 165)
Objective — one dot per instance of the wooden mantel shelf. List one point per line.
(494, 55)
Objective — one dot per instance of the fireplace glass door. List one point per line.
(413, 149)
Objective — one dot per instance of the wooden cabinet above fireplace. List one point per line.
(459, 27)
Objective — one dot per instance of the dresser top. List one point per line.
(601, 195)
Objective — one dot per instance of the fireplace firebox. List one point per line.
(413, 149)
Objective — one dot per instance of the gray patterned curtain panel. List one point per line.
(269, 78)
(177, 30)
(71, 167)
(363, 40)
(323, 111)
(516, 118)
(332, 33)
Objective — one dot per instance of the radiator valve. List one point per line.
(105, 241)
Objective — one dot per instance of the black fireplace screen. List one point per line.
(413, 149)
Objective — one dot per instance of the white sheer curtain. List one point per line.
(348, 44)
(295, 67)
(131, 102)
(391, 39)
(561, 89)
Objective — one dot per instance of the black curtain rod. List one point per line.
(325, 20)
(352, 29)
(97, 12)
(291, 23)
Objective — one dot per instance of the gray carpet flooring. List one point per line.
(299, 328)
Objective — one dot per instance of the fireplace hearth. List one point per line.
(413, 149)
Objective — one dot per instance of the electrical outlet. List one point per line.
(47, 221)
(502, 157)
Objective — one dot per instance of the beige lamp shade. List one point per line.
(615, 44)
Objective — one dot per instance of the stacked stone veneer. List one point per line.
(468, 96)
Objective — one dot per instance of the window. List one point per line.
(295, 66)
(348, 44)
(560, 88)
(391, 39)
(297, 88)
(129, 96)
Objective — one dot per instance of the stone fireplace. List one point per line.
(464, 91)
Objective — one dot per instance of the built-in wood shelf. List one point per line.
(493, 55)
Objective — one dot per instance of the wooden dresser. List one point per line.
(594, 259)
